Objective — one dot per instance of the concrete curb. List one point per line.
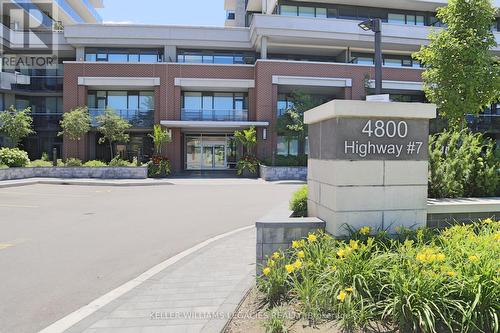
(83, 182)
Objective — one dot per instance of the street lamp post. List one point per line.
(375, 25)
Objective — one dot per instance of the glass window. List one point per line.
(146, 100)
(91, 57)
(288, 10)
(223, 59)
(306, 11)
(407, 63)
(133, 101)
(208, 59)
(22, 104)
(410, 19)
(208, 102)
(194, 59)
(133, 57)
(240, 101)
(192, 100)
(91, 100)
(102, 56)
(391, 62)
(286, 148)
(416, 64)
(51, 105)
(332, 13)
(396, 18)
(348, 13)
(117, 100)
(118, 56)
(149, 57)
(364, 61)
(223, 101)
(321, 12)
(420, 20)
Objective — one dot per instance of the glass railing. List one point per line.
(138, 118)
(214, 115)
(47, 121)
(484, 123)
(41, 83)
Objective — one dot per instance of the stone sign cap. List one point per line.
(368, 109)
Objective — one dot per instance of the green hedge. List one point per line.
(298, 204)
(14, 157)
(463, 164)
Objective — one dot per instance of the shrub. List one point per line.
(73, 162)
(281, 160)
(45, 157)
(247, 163)
(298, 204)
(419, 281)
(117, 161)
(14, 157)
(463, 164)
(158, 167)
(40, 164)
(3, 166)
(95, 164)
(276, 321)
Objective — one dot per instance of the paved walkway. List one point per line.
(209, 282)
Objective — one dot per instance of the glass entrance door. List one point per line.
(214, 157)
(206, 153)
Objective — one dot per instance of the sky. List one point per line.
(172, 12)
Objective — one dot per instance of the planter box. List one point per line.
(272, 173)
(75, 172)
(277, 230)
(442, 213)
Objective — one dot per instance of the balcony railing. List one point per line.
(47, 121)
(41, 83)
(214, 115)
(142, 118)
(484, 123)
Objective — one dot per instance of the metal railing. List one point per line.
(41, 83)
(214, 115)
(138, 118)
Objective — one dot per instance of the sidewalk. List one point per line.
(212, 280)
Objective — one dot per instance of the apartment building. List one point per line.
(33, 49)
(203, 83)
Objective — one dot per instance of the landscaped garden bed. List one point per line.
(415, 281)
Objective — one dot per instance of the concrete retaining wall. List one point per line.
(75, 172)
(272, 173)
(442, 213)
(277, 231)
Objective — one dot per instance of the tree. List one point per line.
(16, 124)
(247, 138)
(76, 123)
(160, 138)
(112, 128)
(291, 125)
(462, 76)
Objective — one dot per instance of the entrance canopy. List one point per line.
(219, 125)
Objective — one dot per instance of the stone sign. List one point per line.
(370, 139)
(368, 164)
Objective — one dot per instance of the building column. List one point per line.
(80, 54)
(170, 53)
(263, 47)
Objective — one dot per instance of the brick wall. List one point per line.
(262, 99)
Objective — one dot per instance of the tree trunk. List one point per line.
(111, 149)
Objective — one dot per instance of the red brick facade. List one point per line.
(262, 99)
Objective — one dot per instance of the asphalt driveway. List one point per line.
(63, 246)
